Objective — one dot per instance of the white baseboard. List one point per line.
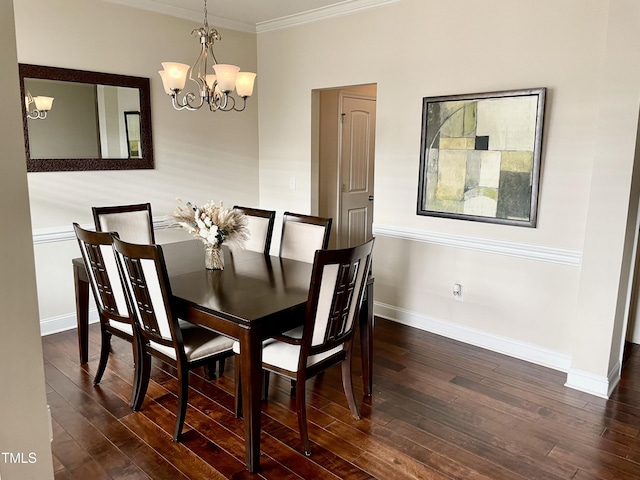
(507, 346)
(594, 384)
(62, 323)
(583, 381)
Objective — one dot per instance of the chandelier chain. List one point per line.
(206, 21)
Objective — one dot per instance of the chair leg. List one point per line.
(301, 406)
(238, 387)
(136, 370)
(293, 388)
(210, 370)
(347, 385)
(183, 395)
(105, 349)
(143, 376)
(265, 384)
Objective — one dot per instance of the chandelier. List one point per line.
(214, 89)
(41, 105)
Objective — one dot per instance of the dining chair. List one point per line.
(104, 278)
(260, 224)
(134, 223)
(162, 335)
(326, 337)
(302, 235)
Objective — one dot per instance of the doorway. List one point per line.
(345, 152)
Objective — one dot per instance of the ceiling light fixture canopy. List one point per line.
(214, 89)
(41, 105)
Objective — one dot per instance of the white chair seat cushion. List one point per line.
(123, 327)
(198, 342)
(284, 355)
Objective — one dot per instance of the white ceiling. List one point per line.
(254, 15)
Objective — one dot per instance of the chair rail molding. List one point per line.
(66, 233)
(499, 247)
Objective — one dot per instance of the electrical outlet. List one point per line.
(457, 291)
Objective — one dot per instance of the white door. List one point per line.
(357, 151)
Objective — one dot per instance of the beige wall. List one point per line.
(555, 294)
(199, 156)
(525, 291)
(24, 422)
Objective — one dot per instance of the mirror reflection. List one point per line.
(98, 121)
(88, 121)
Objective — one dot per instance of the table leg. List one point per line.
(366, 338)
(251, 374)
(82, 313)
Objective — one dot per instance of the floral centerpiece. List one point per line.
(213, 224)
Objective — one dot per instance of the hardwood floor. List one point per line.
(440, 410)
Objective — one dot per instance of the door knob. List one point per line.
(371, 198)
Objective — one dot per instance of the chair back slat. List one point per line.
(337, 285)
(104, 278)
(145, 278)
(342, 298)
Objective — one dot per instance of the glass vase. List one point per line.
(213, 257)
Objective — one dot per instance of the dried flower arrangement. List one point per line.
(213, 224)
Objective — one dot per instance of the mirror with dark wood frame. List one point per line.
(98, 121)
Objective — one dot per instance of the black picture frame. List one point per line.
(480, 156)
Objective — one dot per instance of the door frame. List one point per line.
(325, 136)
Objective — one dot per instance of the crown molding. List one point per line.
(185, 14)
(339, 9)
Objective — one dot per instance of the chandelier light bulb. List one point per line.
(226, 76)
(244, 83)
(165, 84)
(211, 81)
(41, 106)
(175, 75)
(43, 103)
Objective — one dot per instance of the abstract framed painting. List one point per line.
(480, 156)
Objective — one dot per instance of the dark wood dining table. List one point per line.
(255, 297)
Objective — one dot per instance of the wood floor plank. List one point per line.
(404, 456)
(93, 442)
(440, 410)
(149, 461)
(181, 457)
(602, 466)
